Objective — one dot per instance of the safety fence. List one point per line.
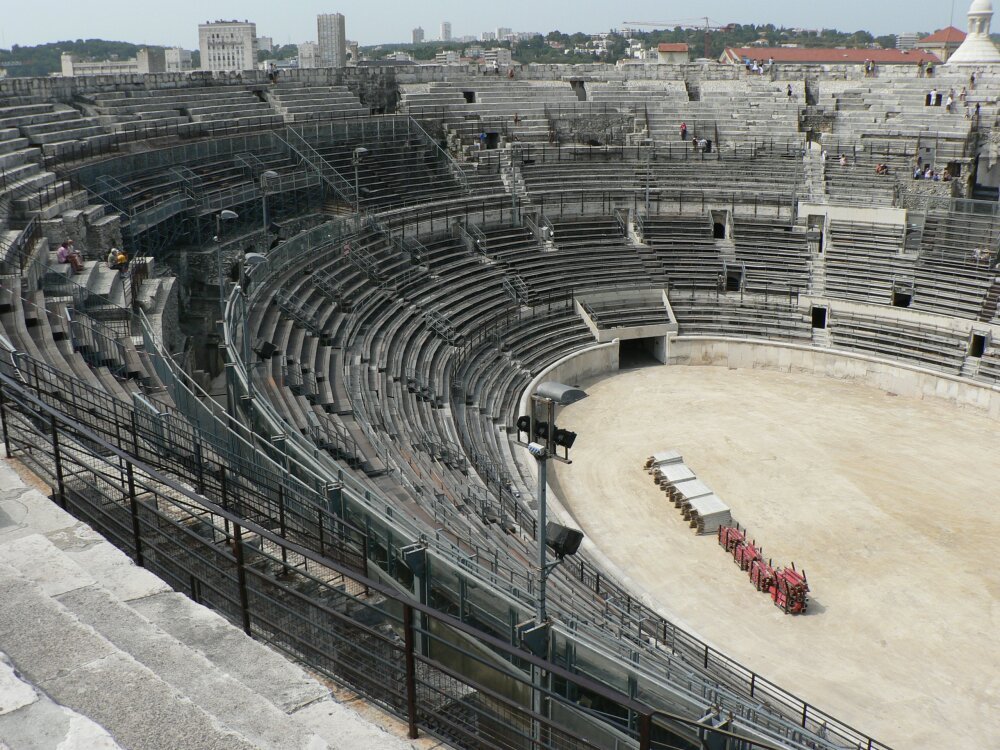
(440, 675)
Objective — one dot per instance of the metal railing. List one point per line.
(440, 675)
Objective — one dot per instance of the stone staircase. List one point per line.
(814, 172)
(970, 367)
(990, 311)
(102, 654)
(513, 180)
(726, 249)
(817, 274)
(821, 338)
(657, 273)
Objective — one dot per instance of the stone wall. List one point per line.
(901, 379)
(377, 85)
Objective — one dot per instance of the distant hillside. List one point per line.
(43, 59)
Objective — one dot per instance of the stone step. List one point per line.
(67, 134)
(31, 181)
(220, 695)
(82, 670)
(25, 109)
(140, 708)
(16, 143)
(20, 121)
(30, 719)
(17, 158)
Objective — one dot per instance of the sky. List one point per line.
(175, 22)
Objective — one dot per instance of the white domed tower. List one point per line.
(977, 48)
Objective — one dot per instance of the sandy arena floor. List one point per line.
(887, 502)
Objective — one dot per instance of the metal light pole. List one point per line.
(226, 215)
(542, 459)
(268, 175)
(359, 153)
(249, 262)
(542, 447)
(544, 436)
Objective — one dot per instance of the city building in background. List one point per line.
(446, 31)
(147, 60)
(672, 53)
(418, 35)
(943, 42)
(332, 38)
(228, 45)
(308, 55)
(178, 59)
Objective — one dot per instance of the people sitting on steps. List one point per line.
(68, 254)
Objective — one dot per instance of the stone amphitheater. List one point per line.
(262, 489)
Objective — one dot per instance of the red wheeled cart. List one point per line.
(730, 536)
(762, 575)
(789, 590)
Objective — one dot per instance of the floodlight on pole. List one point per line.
(542, 438)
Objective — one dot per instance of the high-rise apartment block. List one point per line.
(446, 31)
(504, 33)
(332, 40)
(418, 35)
(228, 45)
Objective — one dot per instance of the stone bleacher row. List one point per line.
(94, 122)
(363, 353)
(762, 112)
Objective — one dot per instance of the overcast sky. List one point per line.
(175, 22)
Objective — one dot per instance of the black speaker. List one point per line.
(563, 541)
(265, 349)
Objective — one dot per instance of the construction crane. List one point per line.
(709, 26)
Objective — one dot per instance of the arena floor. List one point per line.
(885, 501)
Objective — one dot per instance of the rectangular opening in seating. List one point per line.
(819, 317)
(734, 281)
(720, 224)
(641, 352)
(492, 139)
(901, 298)
(977, 345)
(470, 97)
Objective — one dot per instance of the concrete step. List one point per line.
(80, 669)
(25, 109)
(67, 134)
(19, 121)
(17, 143)
(83, 614)
(30, 719)
(13, 159)
(232, 704)
(32, 180)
